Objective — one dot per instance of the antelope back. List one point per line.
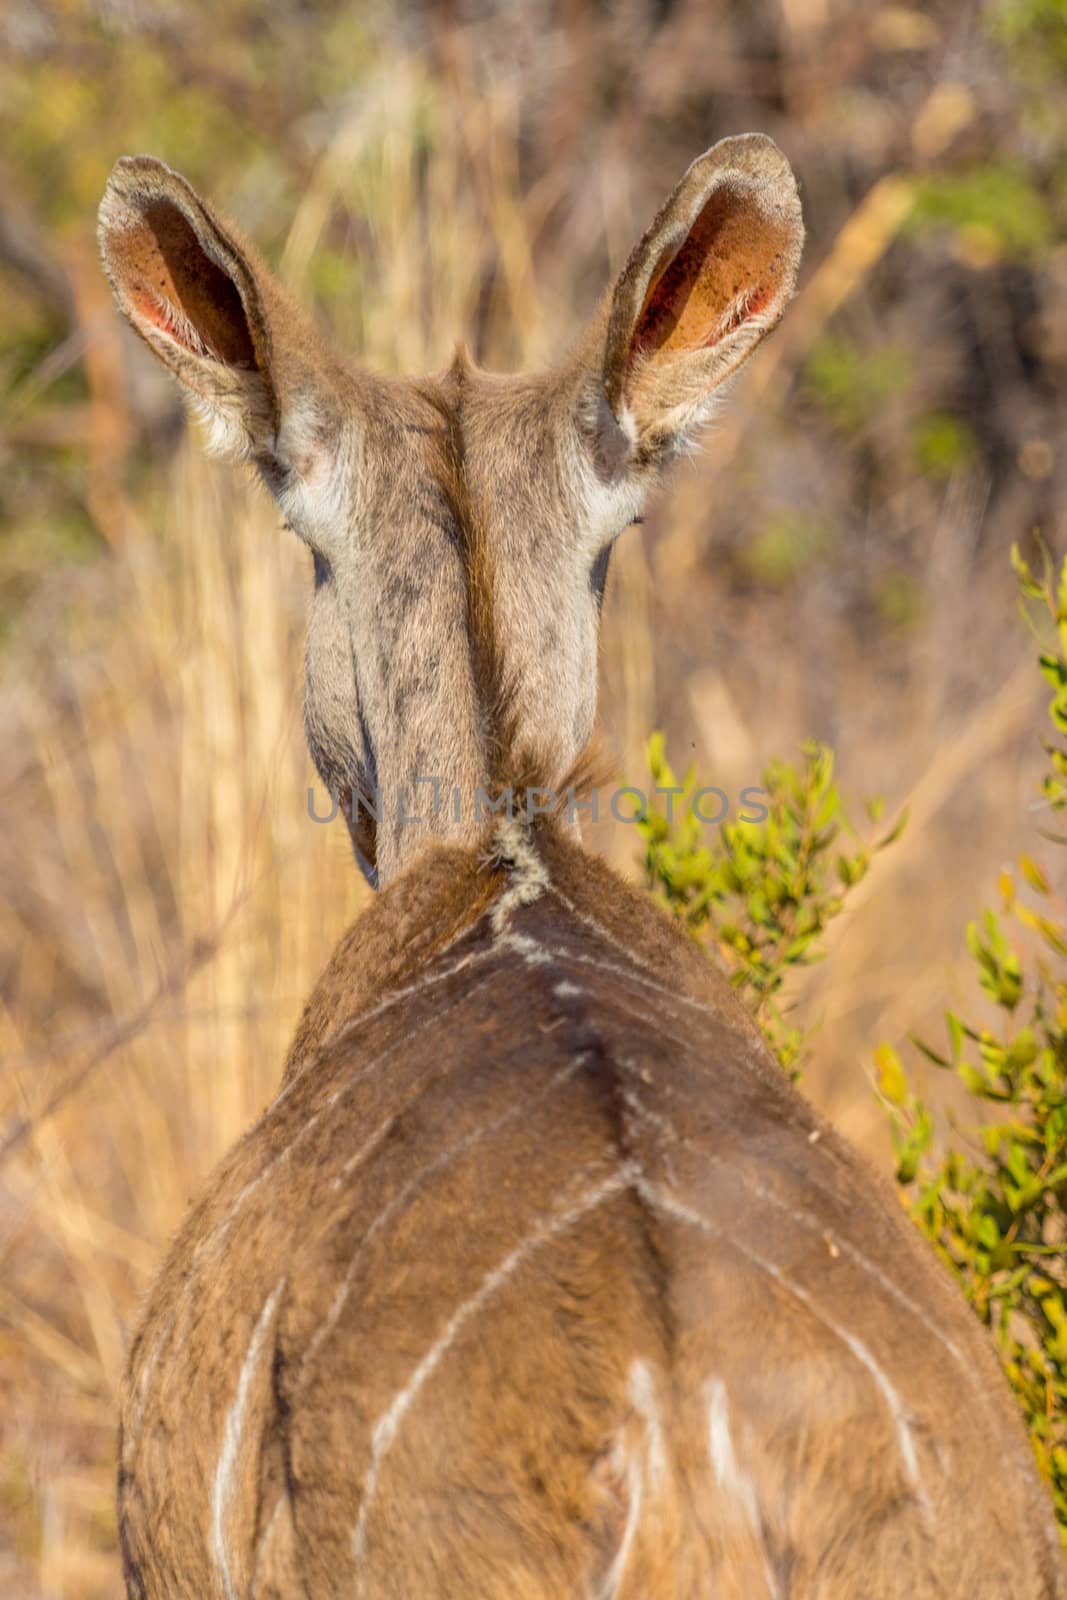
(539, 1280)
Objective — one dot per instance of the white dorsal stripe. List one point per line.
(527, 873)
(533, 953)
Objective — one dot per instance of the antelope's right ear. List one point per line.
(216, 317)
(708, 280)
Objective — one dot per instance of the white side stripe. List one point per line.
(517, 1109)
(804, 1218)
(215, 1239)
(675, 1208)
(728, 1474)
(225, 1483)
(635, 1480)
(389, 1424)
(731, 1476)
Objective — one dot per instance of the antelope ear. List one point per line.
(708, 280)
(195, 297)
(247, 357)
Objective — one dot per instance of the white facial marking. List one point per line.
(225, 423)
(611, 501)
(316, 500)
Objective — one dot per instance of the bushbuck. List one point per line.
(537, 1280)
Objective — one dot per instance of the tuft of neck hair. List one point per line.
(536, 1280)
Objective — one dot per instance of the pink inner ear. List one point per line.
(170, 321)
(727, 270)
(749, 307)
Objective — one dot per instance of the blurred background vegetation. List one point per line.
(833, 565)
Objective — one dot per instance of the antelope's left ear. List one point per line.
(247, 358)
(708, 280)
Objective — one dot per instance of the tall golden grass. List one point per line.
(168, 904)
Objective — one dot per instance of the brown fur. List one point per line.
(415, 1148)
(537, 1280)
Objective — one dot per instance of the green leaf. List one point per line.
(891, 1077)
(1034, 875)
(929, 1052)
(1027, 582)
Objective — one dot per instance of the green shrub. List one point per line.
(788, 544)
(993, 1197)
(1034, 30)
(943, 444)
(761, 890)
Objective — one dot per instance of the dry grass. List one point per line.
(165, 903)
(176, 907)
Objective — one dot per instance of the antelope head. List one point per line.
(460, 525)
